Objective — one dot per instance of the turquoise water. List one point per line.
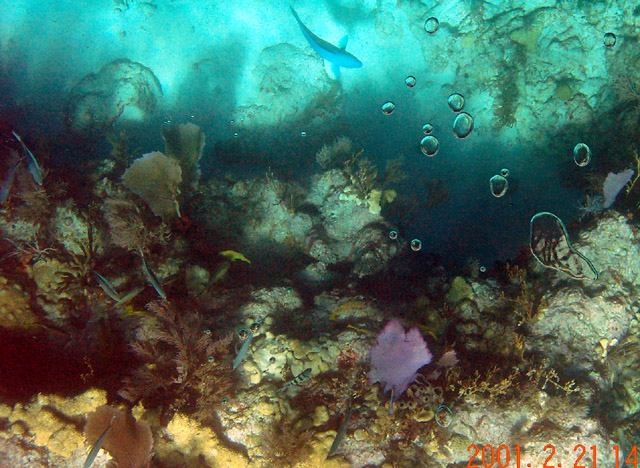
(211, 210)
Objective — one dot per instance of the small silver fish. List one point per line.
(96, 447)
(297, 380)
(151, 277)
(130, 295)
(340, 434)
(6, 185)
(32, 164)
(106, 286)
(243, 350)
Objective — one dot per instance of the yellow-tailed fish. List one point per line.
(233, 256)
(363, 330)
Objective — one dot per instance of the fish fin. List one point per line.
(343, 42)
(335, 71)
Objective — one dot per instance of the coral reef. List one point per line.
(264, 348)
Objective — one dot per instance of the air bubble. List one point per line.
(410, 81)
(483, 269)
(429, 145)
(303, 134)
(581, 154)
(388, 108)
(463, 125)
(444, 416)
(427, 128)
(609, 40)
(504, 172)
(498, 186)
(393, 235)
(431, 25)
(456, 102)
(416, 244)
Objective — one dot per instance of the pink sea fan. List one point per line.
(397, 357)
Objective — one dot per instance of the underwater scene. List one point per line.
(338, 233)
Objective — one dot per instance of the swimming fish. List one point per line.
(32, 164)
(6, 185)
(336, 56)
(233, 256)
(341, 433)
(297, 380)
(130, 295)
(106, 286)
(151, 277)
(96, 447)
(243, 350)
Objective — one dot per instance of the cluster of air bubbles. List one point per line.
(462, 125)
(504, 172)
(416, 244)
(498, 185)
(431, 25)
(429, 145)
(410, 81)
(609, 40)
(427, 128)
(581, 154)
(456, 102)
(388, 108)
(393, 235)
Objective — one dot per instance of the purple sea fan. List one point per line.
(396, 358)
(613, 184)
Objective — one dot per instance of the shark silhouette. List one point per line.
(337, 56)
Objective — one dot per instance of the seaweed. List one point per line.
(183, 368)
(286, 442)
